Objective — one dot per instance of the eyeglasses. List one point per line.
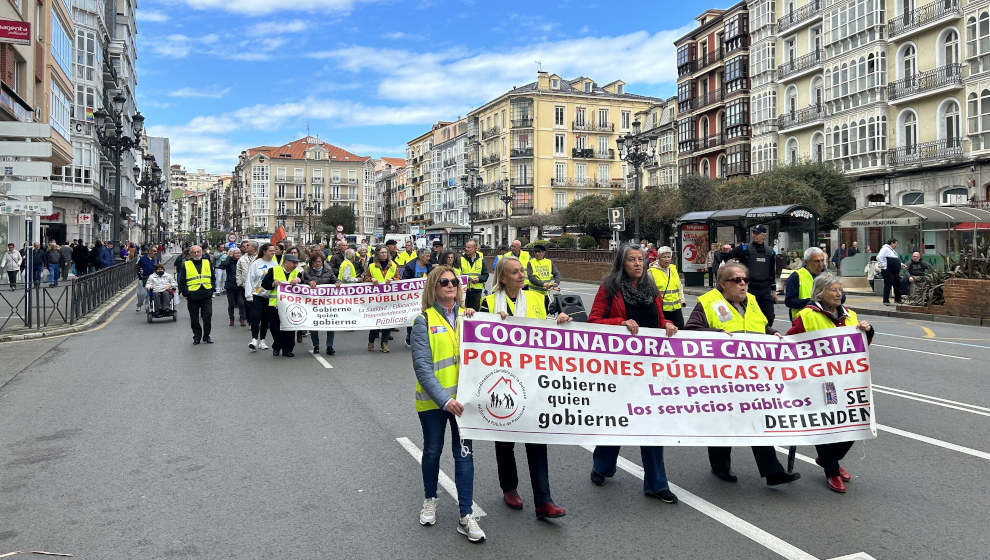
(738, 280)
(444, 282)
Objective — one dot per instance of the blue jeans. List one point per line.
(315, 337)
(434, 422)
(54, 271)
(37, 274)
(654, 473)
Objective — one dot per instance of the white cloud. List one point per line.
(264, 7)
(396, 35)
(376, 151)
(272, 28)
(156, 16)
(212, 92)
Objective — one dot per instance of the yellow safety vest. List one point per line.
(444, 339)
(278, 273)
(472, 270)
(348, 265)
(814, 320)
(542, 269)
(196, 279)
(805, 282)
(669, 284)
(402, 258)
(723, 315)
(376, 271)
(536, 307)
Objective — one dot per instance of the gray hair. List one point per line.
(822, 282)
(349, 254)
(664, 249)
(812, 251)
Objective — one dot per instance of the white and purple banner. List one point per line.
(533, 381)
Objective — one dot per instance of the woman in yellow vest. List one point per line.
(731, 308)
(435, 340)
(284, 342)
(827, 312)
(668, 281)
(509, 298)
(382, 271)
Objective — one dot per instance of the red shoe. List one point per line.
(243, 323)
(835, 484)
(551, 510)
(512, 499)
(231, 322)
(844, 475)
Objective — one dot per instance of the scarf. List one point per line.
(636, 295)
(501, 303)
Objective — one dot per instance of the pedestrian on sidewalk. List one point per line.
(11, 264)
(196, 281)
(220, 259)
(53, 258)
(106, 256)
(890, 267)
(256, 297)
(145, 268)
(871, 271)
(66, 260)
(317, 273)
(39, 258)
(80, 258)
(235, 294)
(435, 340)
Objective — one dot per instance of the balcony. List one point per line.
(944, 150)
(490, 159)
(317, 180)
(589, 153)
(526, 152)
(604, 127)
(709, 142)
(524, 122)
(811, 10)
(800, 65)
(582, 125)
(522, 209)
(449, 162)
(925, 83)
(490, 133)
(708, 98)
(585, 183)
(522, 181)
(923, 17)
(802, 118)
(707, 59)
(737, 168)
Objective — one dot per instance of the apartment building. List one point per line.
(414, 201)
(542, 145)
(448, 161)
(713, 95)
(160, 148)
(289, 185)
(658, 125)
(390, 180)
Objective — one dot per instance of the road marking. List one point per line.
(445, 481)
(857, 556)
(930, 440)
(928, 332)
(937, 401)
(983, 346)
(798, 456)
(919, 351)
(323, 361)
(737, 524)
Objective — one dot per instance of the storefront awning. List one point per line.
(899, 216)
(749, 214)
(970, 226)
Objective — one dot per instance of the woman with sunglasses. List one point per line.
(435, 340)
(731, 308)
(509, 298)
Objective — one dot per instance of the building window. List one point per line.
(558, 116)
(625, 120)
(950, 47)
(818, 147)
(579, 116)
(560, 171)
(60, 107)
(555, 83)
(603, 117)
(908, 131)
(954, 196)
(88, 56)
(559, 200)
(913, 199)
(559, 144)
(61, 45)
(587, 87)
(949, 123)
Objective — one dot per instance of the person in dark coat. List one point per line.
(235, 293)
(319, 272)
(80, 256)
(200, 299)
(416, 268)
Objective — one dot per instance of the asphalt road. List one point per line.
(128, 442)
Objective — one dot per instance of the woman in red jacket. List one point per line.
(628, 297)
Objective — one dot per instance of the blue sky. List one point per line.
(219, 76)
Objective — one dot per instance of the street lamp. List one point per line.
(506, 199)
(310, 209)
(635, 150)
(471, 188)
(113, 140)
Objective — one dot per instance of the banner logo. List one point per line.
(297, 314)
(501, 398)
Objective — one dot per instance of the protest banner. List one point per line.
(359, 306)
(532, 381)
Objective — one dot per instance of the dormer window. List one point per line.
(555, 83)
(587, 87)
(620, 89)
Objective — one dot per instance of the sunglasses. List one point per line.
(444, 282)
(738, 280)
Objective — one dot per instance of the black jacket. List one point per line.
(80, 256)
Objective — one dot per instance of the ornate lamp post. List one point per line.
(310, 208)
(635, 151)
(472, 188)
(114, 141)
(150, 180)
(507, 199)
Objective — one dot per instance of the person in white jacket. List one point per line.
(11, 264)
(257, 297)
(162, 286)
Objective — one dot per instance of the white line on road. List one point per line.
(919, 351)
(983, 346)
(323, 361)
(932, 441)
(798, 456)
(445, 481)
(971, 408)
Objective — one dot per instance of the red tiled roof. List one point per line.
(297, 150)
(394, 161)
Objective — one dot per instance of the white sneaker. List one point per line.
(262, 345)
(428, 515)
(468, 526)
(253, 345)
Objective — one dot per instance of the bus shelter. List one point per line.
(789, 227)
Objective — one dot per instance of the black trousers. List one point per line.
(161, 300)
(720, 458)
(764, 298)
(676, 317)
(200, 309)
(386, 335)
(257, 311)
(235, 299)
(472, 299)
(284, 341)
(829, 455)
(539, 471)
(711, 276)
(891, 283)
(12, 278)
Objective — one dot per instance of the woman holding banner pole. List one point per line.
(435, 341)
(382, 271)
(827, 312)
(509, 298)
(731, 308)
(629, 297)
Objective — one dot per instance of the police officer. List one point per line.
(668, 281)
(762, 265)
(540, 271)
(196, 285)
(472, 264)
(287, 272)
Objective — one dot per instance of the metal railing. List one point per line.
(521, 152)
(800, 64)
(490, 133)
(590, 153)
(525, 122)
(708, 58)
(925, 152)
(801, 117)
(712, 141)
(920, 17)
(707, 98)
(800, 15)
(950, 74)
